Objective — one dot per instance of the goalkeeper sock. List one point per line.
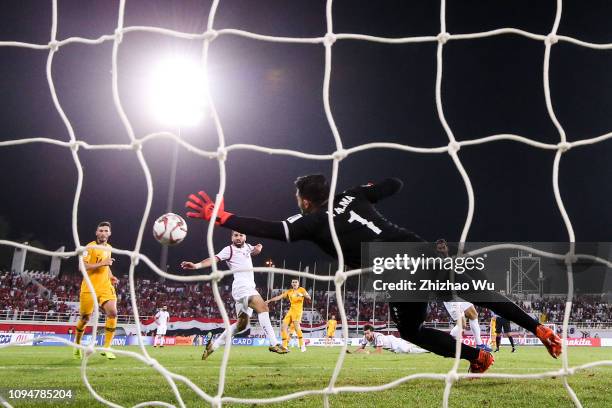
(80, 329)
(455, 331)
(219, 341)
(109, 330)
(285, 338)
(475, 327)
(300, 339)
(511, 341)
(264, 321)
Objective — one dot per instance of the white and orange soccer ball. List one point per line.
(170, 229)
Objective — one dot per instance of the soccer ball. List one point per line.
(170, 229)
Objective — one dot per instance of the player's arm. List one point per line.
(378, 350)
(256, 249)
(89, 264)
(361, 348)
(205, 263)
(114, 280)
(202, 207)
(307, 295)
(276, 298)
(377, 191)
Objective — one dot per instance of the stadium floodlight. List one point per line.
(178, 93)
(178, 99)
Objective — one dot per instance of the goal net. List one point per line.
(327, 40)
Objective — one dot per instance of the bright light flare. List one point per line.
(178, 93)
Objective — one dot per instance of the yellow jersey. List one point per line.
(100, 277)
(296, 298)
(331, 325)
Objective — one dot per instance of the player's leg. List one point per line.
(263, 314)
(409, 318)
(285, 329)
(86, 307)
(300, 336)
(498, 331)
(110, 325)
(505, 308)
(260, 307)
(239, 325)
(402, 346)
(472, 316)
(508, 332)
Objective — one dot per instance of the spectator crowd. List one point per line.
(43, 293)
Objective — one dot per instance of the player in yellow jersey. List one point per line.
(296, 296)
(331, 329)
(97, 263)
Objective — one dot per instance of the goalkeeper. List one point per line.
(356, 220)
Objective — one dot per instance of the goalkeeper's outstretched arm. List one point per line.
(203, 208)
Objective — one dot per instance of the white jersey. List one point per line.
(392, 343)
(457, 309)
(162, 318)
(243, 286)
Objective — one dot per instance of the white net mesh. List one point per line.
(327, 40)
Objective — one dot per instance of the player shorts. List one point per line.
(86, 302)
(502, 324)
(293, 316)
(241, 295)
(331, 334)
(161, 330)
(457, 309)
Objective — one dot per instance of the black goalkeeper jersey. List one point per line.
(355, 218)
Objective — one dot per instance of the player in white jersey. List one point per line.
(457, 310)
(385, 342)
(237, 256)
(161, 319)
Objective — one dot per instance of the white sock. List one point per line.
(475, 326)
(264, 321)
(455, 331)
(220, 341)
(162, 340)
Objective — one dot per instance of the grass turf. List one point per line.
(253, 372)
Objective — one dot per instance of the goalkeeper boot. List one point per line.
(550, 340)
(209, 346)
(278, 349)
(77, 353)
(482, 362)
(108, 355)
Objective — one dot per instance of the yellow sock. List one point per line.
(300, 339)
(109, 330)
(285, 338)
(80, 329)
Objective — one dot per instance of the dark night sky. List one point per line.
(271, 94)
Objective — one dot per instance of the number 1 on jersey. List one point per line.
(356, 217)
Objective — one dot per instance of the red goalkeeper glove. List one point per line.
(204, 207)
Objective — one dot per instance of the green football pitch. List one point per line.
(253, 372)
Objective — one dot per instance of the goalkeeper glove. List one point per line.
(204, 207)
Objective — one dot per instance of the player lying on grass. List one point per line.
(385, 342)
(238, 256)
(296, 296)
(357, 220)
